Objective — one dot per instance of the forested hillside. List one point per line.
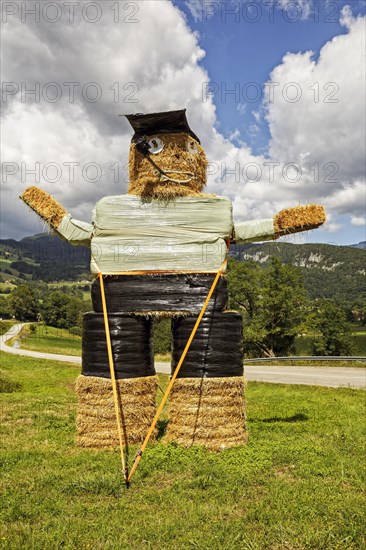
(329, 271)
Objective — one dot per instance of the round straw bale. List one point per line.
(96, 417)
(208, 412)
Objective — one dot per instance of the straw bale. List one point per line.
(44, 205)
(162, 314)
(208, 412)
(299, 218)
(96, 418)
(147, 182)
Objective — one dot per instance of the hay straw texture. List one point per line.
(96, 418)
(163, 314)
(44, 205)
(147, 182)
(299, 218)
(208, 412)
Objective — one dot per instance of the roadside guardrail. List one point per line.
(307, 358)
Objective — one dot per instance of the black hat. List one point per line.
(168, 122)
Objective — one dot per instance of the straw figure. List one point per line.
(159, 248)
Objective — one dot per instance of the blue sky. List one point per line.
(243, 48)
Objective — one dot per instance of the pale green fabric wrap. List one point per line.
(187, 234)
(75, 231)
(254, 231)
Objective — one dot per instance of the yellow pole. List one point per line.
(113, 378)
(166, 395)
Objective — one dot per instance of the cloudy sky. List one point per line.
(274, 89)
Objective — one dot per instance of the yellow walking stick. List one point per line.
(165, 397)
(113, 379)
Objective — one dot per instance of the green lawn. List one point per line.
(51, 340)
(298, 484)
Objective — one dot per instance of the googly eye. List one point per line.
(155, 146)
(192, 147)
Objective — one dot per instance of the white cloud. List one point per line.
(203, 10)
(348, 199)
(298, 9)
(241, 108)
(143, 58)
(347, 19)
(316, 119)
(139, 59)
(358, 221)
(195, 7)
(257, 116)
(317, 142)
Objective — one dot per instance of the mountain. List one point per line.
(329, 271)
(43, 257)
(362, 244)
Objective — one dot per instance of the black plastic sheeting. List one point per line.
(131, 339)
(137, 293)
(216, 350)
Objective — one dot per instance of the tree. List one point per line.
(23, 303)
(5, 312)
(357, 312)
(62, 310)
(273, 301)
(76, 306)
(330, 320)
(162, 335)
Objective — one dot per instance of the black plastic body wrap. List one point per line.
(216, 350)
(145, 293)
(131, 339)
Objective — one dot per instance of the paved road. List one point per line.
(332, 377)
(15, 329)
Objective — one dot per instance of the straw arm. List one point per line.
(298, 219)
(74, 231)
(287, 221)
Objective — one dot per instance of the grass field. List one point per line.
(298, 484)
(51, 340)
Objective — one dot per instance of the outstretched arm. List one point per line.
(47, 208)
(286, 222)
